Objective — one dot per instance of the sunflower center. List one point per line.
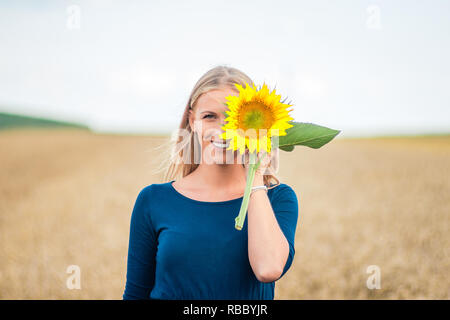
(255, 115)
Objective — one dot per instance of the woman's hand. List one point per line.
(256, 165)
(264, 161)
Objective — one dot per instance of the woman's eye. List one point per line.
(208, 115)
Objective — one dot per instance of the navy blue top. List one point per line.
(181, 248)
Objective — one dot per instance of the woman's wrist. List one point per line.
(258, 180)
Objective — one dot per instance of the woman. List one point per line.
(183, 243)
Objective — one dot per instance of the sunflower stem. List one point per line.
(239, 220)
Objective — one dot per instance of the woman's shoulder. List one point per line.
(154, 189)
(282, 190)
(279, 186)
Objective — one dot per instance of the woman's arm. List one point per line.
(141, 252)
(268, 248)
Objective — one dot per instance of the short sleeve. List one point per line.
(285, 207)
(141, 251)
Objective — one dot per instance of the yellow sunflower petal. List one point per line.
(258, 110)
(252, 143)
(240, 143)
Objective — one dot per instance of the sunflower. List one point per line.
(254, 117)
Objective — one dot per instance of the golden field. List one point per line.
(66, 198)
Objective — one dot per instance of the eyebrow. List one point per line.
(208, 112)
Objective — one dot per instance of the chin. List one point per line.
(221, 159)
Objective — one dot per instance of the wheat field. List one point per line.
(66, 198)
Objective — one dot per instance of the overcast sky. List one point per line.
(363, 67)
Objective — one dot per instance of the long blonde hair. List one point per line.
(175, 165)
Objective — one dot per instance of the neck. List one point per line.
(223, 176)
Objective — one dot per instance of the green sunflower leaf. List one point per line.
(306, 134)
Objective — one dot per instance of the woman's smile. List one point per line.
(220, 145)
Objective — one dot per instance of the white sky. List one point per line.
(363, 67)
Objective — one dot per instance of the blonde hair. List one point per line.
(175, 165)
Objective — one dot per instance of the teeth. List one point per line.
(219, 145)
